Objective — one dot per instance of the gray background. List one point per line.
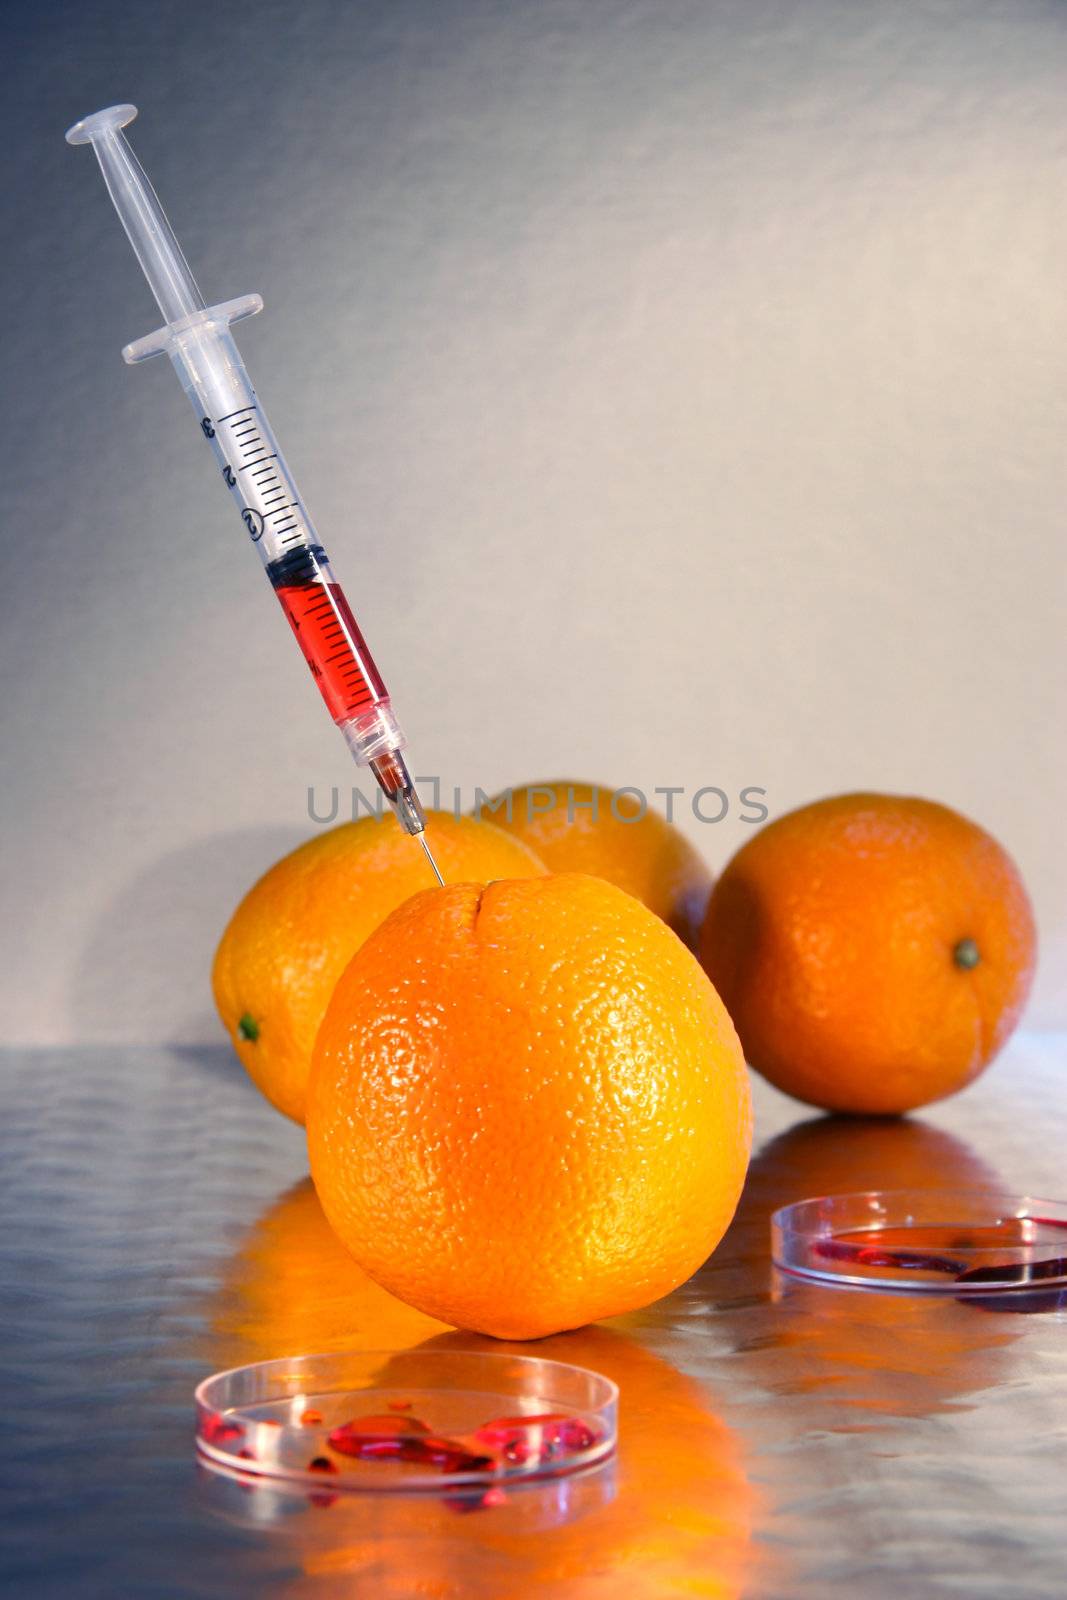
(678, 387)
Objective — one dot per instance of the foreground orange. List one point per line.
(874, 951)
(528, 1107)
(581, 827)
(296, 930)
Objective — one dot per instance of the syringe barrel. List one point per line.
(210, 369)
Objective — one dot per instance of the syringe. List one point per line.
(198, 340)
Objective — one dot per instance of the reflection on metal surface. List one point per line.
(778, 1441)
(867, 1355)
(674, 1505)
(291, 1288)
(680, 1512)
(296, 1516)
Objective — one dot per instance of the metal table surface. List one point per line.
(776, 1439)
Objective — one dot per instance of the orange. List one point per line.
(874, 951)
(295, 931)
(528, 1107)
(581, 827)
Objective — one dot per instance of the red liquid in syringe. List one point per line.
(327, 632)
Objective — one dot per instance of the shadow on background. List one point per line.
(158, 936)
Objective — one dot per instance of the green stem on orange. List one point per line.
(248, 1028)
(966, 955)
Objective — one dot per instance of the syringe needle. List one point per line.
(429, 856)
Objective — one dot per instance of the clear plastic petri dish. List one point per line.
(959, 1242)
(406, 1420)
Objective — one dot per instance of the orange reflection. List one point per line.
(677, 1517)
(292, 1288)
(834, 1155)
(672, 1513)
(861, 1353)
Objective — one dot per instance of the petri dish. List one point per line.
(294, 1510)
(409, 1421)
(959, 1242)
